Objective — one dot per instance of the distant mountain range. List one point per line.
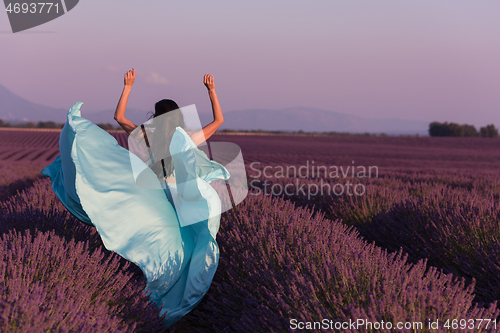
(317, 120)
(15, 109)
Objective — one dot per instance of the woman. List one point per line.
(165, 106)
(174, 245)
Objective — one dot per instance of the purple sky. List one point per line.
(420, 59)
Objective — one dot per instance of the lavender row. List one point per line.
(451, 218)
(38, 210)
(280, 262)
(16, 176)
(388, 152)
(48, 284)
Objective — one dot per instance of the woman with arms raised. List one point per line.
(172, 241)
(164, 106)
(199, 137)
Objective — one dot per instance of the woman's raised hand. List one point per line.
(129, 78)
(207, 131)
(209, 82)
(126, 124)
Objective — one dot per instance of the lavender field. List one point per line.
(420, 243)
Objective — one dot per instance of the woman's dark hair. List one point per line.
(164, 106)
(161, 137)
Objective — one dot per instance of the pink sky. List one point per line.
(425, 60)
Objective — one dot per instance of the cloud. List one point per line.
(113, 69)
(155, 79)
(150, 77)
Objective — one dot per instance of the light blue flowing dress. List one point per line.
(94, 180)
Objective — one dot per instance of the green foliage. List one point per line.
(4, 124)
(470, 131)
(46, 124)
(106, 126)
(30, 124)
(488, 132)
(457, 130)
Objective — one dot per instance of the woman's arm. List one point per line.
(210, 129)
(126, 124)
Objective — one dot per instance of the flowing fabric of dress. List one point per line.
(94, 180)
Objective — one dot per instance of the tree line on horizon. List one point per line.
(50, 124)
(465, 130)
(436, 129)
(108, 126)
